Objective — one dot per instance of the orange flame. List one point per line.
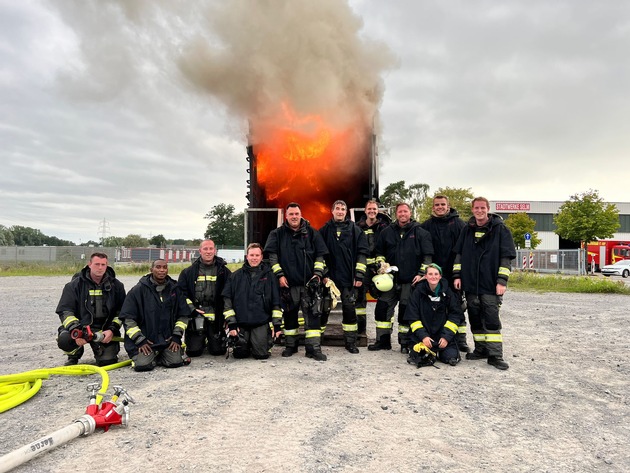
(305, 160)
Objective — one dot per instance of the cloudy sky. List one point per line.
(135, 112)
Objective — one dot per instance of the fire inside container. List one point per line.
(311, 163)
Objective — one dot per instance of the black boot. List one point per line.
(315, 353)
(462, 344)
(384, 342)
(289, 351)
(71, 361)
(352, 348)
(498, 362)
(361, 324)
(477, 355)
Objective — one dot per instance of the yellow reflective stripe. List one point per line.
(503, 271)
(457, 267)
(96, 292)
(133, 331)
(403, 328)
(206, 278)
(209, 316)
(318, 265)
(68, 320)
(189, 302)
(361, 311)
(371, 260)
(479, 234)
(291, 332)
(386, 325)
(301, 321)
(117, 321)
(461, 329)
(180, 324)
(494, 338)
(349, 327)
(322, 329)
(368, 231)
(73, 351)
(451, 326)
(416, 325)
(380, 259)
(361, 267)
(312, 334)
(276, 268)
(276, 314)
(479, 337)
(423, 268)
(229, 313)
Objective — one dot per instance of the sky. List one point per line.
(133, 116)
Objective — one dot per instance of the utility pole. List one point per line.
(103, 229)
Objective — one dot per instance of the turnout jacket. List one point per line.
(444, 235)
(80, 298)
(296, 254)
(372, 232)
(252, 297)
(484, 256)
(409, 248)
(149, 315)
(347, 252)
(434, 314)
(188, 279)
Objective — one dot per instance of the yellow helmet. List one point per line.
(383, 282)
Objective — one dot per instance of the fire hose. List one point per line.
(18, 388)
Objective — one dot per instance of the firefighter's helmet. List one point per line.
(383, 282)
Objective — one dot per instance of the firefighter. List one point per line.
(407, 246)
(155, 314)
(434, 313)
(444, 225)
(203, 283)
(88, 309)
(483, 258)
(296, 252)
(372, 222)
(252, 303)
(346, 266)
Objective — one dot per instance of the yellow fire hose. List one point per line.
(18, 388)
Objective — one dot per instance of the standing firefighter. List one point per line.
(252, 303)
(484, 251)
(296, 252)
(372, 223)
(155, 314)
(203, 283)
(346, 265)
(444, 225)
(407, 246)
(88, 309)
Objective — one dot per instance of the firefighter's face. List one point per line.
(207, 251)
(159, 270)
(433, 277)
(97, 266)
(480, 211)
(254, 257)
(339, 213)
(403, 214)
(371, 210)
(294, 217)
(441, 207)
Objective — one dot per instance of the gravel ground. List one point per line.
(561, 407)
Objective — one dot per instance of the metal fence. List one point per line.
(551, 261)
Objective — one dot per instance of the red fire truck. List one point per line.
(603, 252)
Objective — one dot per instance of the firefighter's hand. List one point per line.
(358, 283)
(200, 311)
(427, 342)
(107, 336)
(146, 348)
(416, 279)
(442, 343)
(457, 284)
(325, 280)
(275, 333)
(176, 343)
(81, 341)
(174, 346)
(501, 289)
(233, 333)
(283, 281)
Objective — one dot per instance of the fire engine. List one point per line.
(603, 252)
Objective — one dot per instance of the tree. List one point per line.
(89, 243)
(414, 195)
(225, 227)
(112, 242)
(586, 217)
(459, 199)
(520, 224)
(6, 237)
(27, 236)
(134, 241)
(158, 240)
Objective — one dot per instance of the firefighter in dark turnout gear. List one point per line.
(346, 266)
(407, 246)
(372, 223)
(92, 299)
(296, 253)
(252, 303)
(202, 283)
(484, 253)
(444, 225)
(434, 312)
(155, 314)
